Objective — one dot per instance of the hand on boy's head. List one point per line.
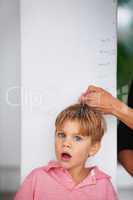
(90, 90)
(97, 98)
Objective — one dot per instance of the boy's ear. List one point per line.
(94, 148)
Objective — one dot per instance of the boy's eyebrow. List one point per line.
(65, 132)
(59, 130)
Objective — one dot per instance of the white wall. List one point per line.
(9, 77)
(65, 46)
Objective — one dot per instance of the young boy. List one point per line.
(78, 133)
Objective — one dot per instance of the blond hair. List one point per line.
(91, 122)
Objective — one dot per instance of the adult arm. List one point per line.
(103, 101)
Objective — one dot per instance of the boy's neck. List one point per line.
(79, 174)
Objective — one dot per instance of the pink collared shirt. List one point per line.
(52, 182)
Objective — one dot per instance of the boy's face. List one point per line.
(71, 148)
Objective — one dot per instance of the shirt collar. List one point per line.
(53, 164)
(94, 175)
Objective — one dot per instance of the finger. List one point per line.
(90, 89)
(97, 109)
(93, 88)
(81, 98)
(91, 103)
(94, 97)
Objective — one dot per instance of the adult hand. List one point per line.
(102, 101)
(99, 99)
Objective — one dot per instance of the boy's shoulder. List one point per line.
(100, 174)
(95, 172)
(45, 168)
(103, 181)
(52, 164)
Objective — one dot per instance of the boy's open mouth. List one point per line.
(65, 156)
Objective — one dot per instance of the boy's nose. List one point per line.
(67, 144)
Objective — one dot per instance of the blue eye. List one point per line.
(78, 138)
(61, 135)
